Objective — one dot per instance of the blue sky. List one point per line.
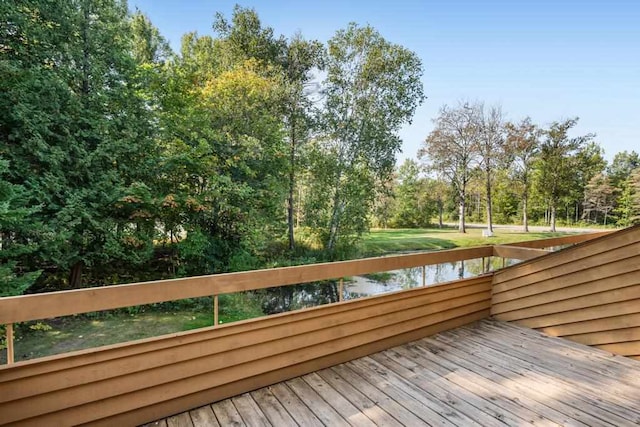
(550, 60)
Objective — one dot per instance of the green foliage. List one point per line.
(414, 207)
(239, 306)
(522, 148)
(372, 88)
(123, 161)
(623, 164)
(79, 125)
(559, 166)
(452, 150)
(628, 209)
(16, 222)
(148, 45)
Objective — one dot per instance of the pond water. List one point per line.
(359, 286)
(286, 298)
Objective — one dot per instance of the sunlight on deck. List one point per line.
(489, 373)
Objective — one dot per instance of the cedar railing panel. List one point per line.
(589, 293)
(139, 382)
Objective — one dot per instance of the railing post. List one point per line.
(341, 290)
(215, 310)
(484, 269)
(503, 262)
(424, 275)
(10, 358)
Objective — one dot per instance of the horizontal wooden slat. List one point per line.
(577, 286)
(128, 384)
(565, 271)
(608, 265)
(562, 240)
(584, 314)
(54, 304)
(590, 248)
(607, 337)
(256, 358)
(623, 348)
(573, 304)
(515, 252)
(597, 325)
(138, 400)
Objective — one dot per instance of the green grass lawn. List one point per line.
(79, 332)
(64, 334)
(381, 242)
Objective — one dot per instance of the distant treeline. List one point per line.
(477, 166)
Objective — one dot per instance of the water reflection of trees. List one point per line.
(294, 297)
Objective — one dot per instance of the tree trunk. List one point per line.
(553, 218)
(461, 224)
(546, 216)
(75, 276)
(525, 218)
(440, 213)
(292, 160)
(334, 225)
(489, 208)
(85, 49)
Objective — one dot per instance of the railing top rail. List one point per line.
(562, 240)
(65, 303)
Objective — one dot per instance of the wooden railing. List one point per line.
(65, 303)
(140, 381)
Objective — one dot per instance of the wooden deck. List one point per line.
(489, 373)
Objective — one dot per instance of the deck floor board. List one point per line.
(489, 373)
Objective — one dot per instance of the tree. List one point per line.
(413, 207)
(523, 145)
(619, 171)
(623, 164)
(16, 227)
(439, 192)
(628, 209)
(302, 57)
(244, 37)
(452, 149)
(148, 45)
(76, 130)
(384, 203)
(224, 156)
(557, 164)
(598, 197)
(372, 88)
(492, 150)
(589, 163)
